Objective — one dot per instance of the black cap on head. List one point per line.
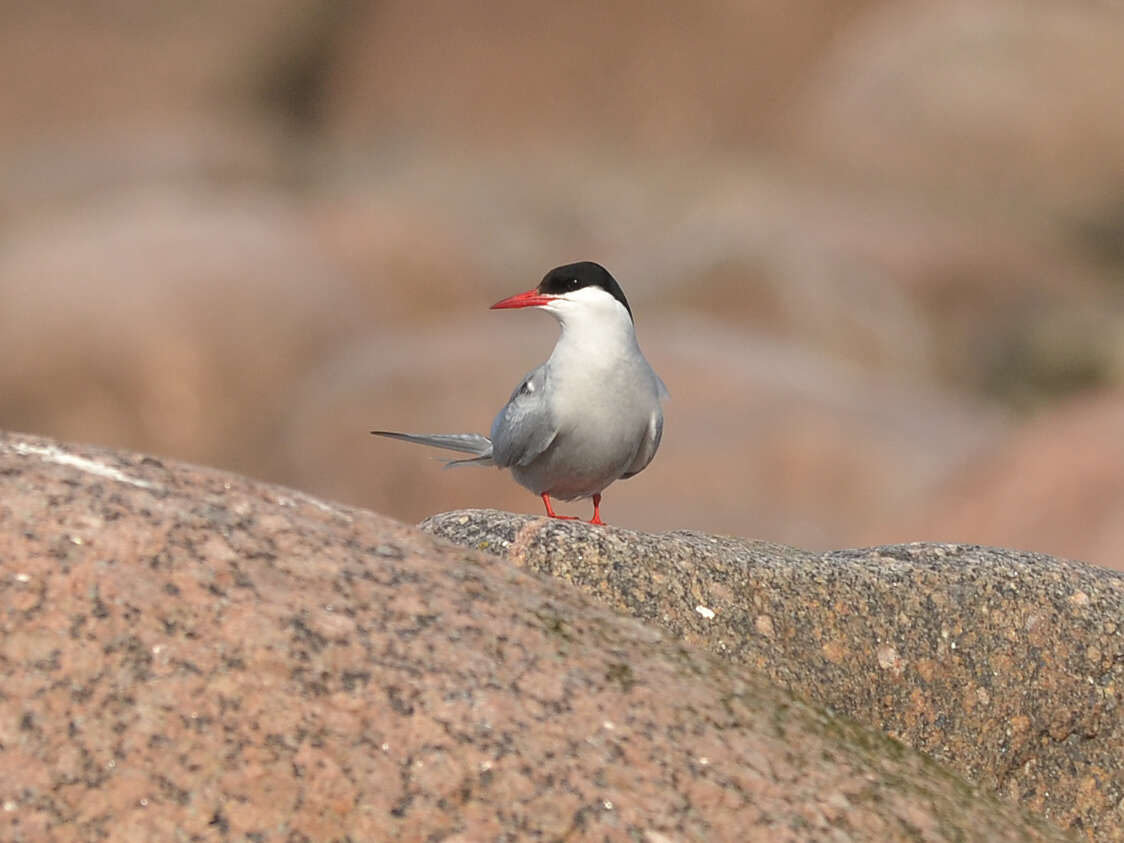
(574, 276)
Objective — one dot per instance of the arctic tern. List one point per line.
(587, 416)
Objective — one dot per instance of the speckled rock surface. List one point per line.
(1006, 666)
(188, 655)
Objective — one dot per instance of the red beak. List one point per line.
(531, 298)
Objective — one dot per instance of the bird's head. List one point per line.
(575, 291)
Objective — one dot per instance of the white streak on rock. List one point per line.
(57, 455)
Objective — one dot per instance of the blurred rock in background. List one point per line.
(876, 251)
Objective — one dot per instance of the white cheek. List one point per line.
(590, 296)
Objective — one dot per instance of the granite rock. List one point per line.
(1005, 666)
(186, 654)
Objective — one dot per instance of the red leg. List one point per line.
(550, 509)
(597, 510)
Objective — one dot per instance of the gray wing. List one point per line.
(525, 427)
(651, 443)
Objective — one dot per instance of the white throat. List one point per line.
(595, 327)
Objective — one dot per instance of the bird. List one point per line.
(587, 417)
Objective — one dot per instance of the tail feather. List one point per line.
(466, 443)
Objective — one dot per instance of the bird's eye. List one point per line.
(572, 284)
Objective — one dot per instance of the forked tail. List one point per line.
(466, 443)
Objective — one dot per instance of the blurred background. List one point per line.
(876, 250)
